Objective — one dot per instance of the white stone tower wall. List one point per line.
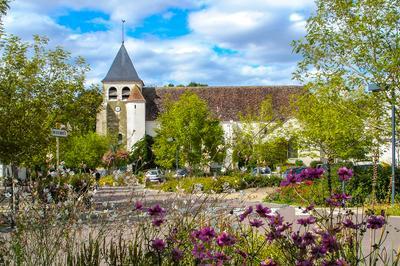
(136, 123)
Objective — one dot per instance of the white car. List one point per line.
(154, 175)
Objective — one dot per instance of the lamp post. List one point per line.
(376, 88)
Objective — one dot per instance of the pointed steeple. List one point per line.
(122, 68)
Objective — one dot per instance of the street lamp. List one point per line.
(375, 88)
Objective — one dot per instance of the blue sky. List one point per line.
(218, 42)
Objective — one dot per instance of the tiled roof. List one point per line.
(225, 103)
(122, 68)
(135, 96)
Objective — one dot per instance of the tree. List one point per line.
(85, 149)
(142, 156)
(188, 130)
(257, 139)
(38, 86)
(358, 41)
(3, 11)
(333, 123)
(196, 84)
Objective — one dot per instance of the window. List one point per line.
(119, 138)
(125, 93)
(112, 93)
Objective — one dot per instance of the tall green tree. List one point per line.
(188, 130)
(356, 40)
(359, 43)
(85, 149)
(258, 139)
(38, 86)
(333, 123)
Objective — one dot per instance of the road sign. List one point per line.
(58, 133)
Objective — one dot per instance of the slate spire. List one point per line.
(122, 68)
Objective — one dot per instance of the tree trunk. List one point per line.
(374, 175)
(329, 163)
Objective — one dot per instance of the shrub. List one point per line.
(112, 181)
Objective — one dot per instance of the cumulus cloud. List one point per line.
(258, 34)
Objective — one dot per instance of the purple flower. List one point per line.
(337, 200)
(262, 211)
(256, 223)
(311, 173)
(246, 213)
(199, 251)
(291, 178)
(205, 234)
(297, 240)
(329, 242)
(138, 205)
(304, 263)
(345, 174)
(241, 253)
(220, 256)
(349, 224)
(341, 262)
(158, 244)
(308, 238)
(177, 254)
(276, 220)
(268, 262)
(318, 252)
(157, 221)
(156, 210)
(224, 239)
(375, 222)
(309, 208)
(338, 262)
(306, 221)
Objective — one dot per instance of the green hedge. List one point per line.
(217, 184)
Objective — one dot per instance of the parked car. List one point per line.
(181, 173)
(295, 170)
(262, 171)
(154, 175)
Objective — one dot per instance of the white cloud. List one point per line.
(259, 31)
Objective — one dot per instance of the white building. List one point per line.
(130, 109)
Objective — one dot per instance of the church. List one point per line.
(130, 109)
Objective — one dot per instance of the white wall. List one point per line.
(135, 122)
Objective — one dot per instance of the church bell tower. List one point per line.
(124, 106)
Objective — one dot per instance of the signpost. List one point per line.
(58, 133)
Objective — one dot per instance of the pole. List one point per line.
(58, 152)
(393, 145)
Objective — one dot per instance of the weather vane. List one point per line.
(123, 31)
